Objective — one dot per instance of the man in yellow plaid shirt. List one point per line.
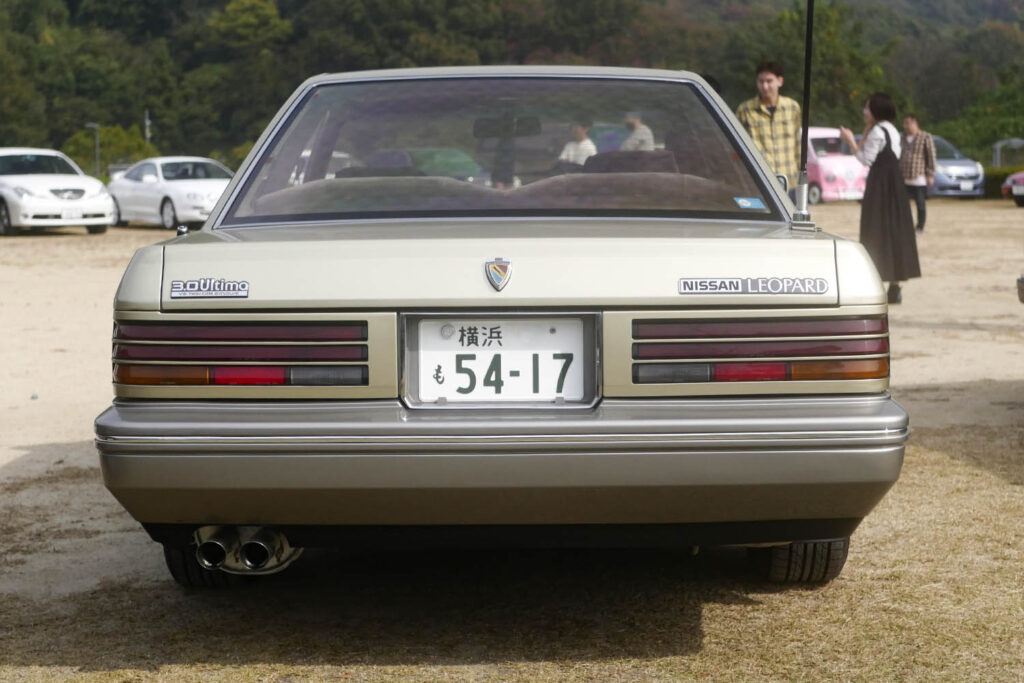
(773, 121)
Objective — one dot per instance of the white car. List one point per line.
(42, 188)
(168, 191)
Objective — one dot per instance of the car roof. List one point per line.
(506, 70)
(822, 132)
(172, 159)
(30, 150)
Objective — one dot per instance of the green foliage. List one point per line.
(21, 105)
(994, 178)
(117, 146)
(995, 116)
(249, 26)
(213, 72)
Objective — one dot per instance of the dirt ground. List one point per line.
(934, 588)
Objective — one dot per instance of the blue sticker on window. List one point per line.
(749, 202)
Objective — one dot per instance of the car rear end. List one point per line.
(621, 376)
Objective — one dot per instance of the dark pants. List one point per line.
(918, 194)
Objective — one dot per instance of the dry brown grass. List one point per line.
(933, 590)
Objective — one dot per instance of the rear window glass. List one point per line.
(193, 170)
(501, 147)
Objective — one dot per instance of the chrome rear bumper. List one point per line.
(622, 462)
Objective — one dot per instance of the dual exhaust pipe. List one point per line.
(243, 550)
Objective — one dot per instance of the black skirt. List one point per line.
(886, 225)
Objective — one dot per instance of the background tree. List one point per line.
(213, 72)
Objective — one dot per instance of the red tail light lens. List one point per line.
(236, 374)
(686, 351)
(242, 331)
(749, 372)
(241, 353)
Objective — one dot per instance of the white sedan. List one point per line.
(42, 188)
(168, 191)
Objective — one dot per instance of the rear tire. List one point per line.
(804, 562)
(168, 216)
(96, 229)
(185, 569)
(6, 226)
(117, 221)
(1019, 201)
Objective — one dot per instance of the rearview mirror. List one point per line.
(506, 127)
(149, 178)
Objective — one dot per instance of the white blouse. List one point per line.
(874, 143)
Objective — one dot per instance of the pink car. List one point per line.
(832, 172)
(1013, 187)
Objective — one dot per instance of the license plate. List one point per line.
(966, 186)
(71, 214)
(1017, 189)
(537, 360)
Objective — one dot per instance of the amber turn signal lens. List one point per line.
(873, 368)
(160, 374)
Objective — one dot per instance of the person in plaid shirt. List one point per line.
(773, 122)
(917, 164)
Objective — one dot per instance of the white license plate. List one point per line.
(1017, 190)
(464, 360)
(966, 186)
(71, 214)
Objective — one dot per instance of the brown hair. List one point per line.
(772, 67)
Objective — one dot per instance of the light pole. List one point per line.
(96, 128)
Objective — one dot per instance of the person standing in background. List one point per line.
(886, 226)
(917, 164)
(773, 122)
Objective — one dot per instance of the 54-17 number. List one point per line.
(494, 378)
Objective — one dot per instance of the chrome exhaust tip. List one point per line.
(261, 547)
(214, 550)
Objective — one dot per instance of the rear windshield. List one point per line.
(501, 147)
(193, 170)
(34, 164)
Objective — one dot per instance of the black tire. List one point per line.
(185, 569)
(814, 194)
(1019, 201)
(804, 562)
(168, 215)
(116, 219)
(96, 229)
(6, 226)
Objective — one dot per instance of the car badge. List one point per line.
(498, 272)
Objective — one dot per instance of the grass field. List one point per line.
(933, 589)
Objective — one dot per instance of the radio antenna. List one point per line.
(801, 217)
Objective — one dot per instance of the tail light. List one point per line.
(242, 353)
(684, 351)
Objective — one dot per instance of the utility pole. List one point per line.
(147, 121)
(96, 129)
